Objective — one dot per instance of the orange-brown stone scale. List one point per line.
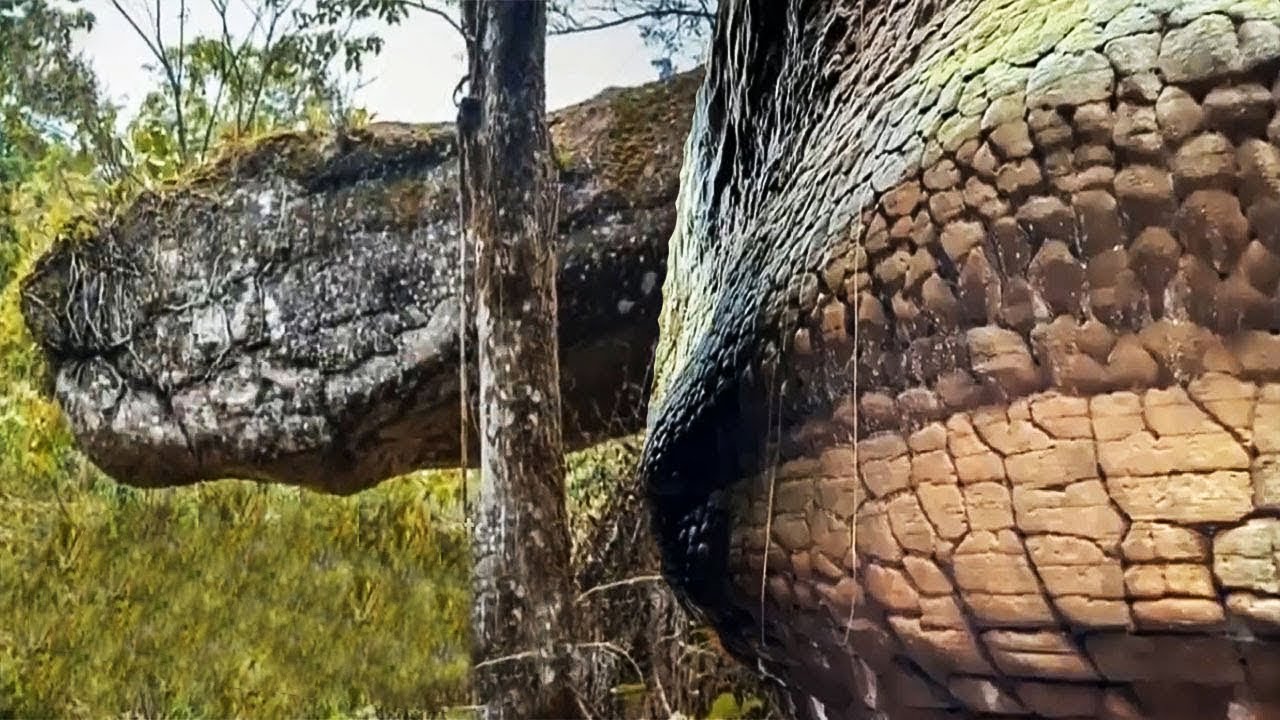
(1106, 245)
(1056, 337)
(1056, 556)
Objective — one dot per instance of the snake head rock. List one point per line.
(290, 312)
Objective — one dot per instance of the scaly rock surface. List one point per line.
(968, 378)
(291, 311)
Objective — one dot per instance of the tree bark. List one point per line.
(521, 584)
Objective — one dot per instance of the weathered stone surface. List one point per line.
(1181, 579)
(1212, 497)
(1165, 657)
(1060, 700)
(1070, 79)
(1045, 537)
(1248, 556)
(1178, 114)
(1038, 654)
(983, 695)
(1204, 48)
(291, 312)
(1146, 541)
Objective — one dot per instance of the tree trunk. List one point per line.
(522, 593)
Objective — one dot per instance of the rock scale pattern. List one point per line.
(1059, 556)
(1026, 456)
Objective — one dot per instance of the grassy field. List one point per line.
(231, 599)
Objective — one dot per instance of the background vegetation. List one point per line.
(229, 599)
(235, 598)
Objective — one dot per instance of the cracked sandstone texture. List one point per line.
(290, 312)
(991, 427)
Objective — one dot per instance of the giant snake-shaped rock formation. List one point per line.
(966, 399)
(290, 312)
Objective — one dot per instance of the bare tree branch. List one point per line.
(625, 19)
(207, 137)
(157, 51)
(237, 53)
(182, 65)
(268, 58)
(420, 5)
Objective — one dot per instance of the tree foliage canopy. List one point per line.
(48, 93)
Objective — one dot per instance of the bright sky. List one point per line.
(411, 80)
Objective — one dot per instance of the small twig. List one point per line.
(620, 583)
(438, 13)
(768, 519)
(655, 14)
(506, 659)
(582, 706)
(172, 75)
(619, 652)
(853, 520)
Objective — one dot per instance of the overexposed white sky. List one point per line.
(411, 80)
